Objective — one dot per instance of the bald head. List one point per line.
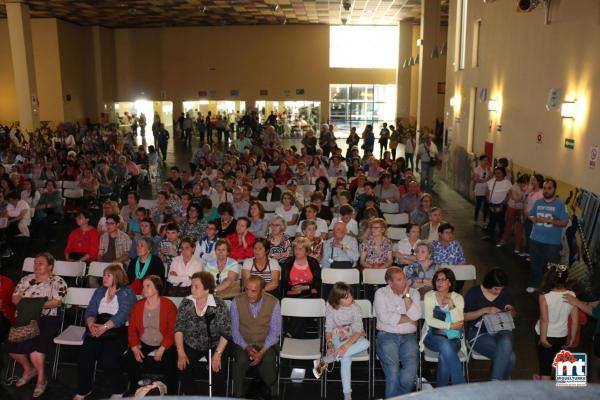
(339, 230)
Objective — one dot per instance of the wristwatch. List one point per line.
(406, 296)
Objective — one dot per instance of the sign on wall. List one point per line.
(234, 92)
(202, 93)
(593, 159)
(569, 144)
(263, 92)
(540, 137)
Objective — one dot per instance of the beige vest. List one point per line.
(255, 330)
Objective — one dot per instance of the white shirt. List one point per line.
(205, 250)
(498, 190)
(404, 247)
(389, 307)
(485, 174)
(321, 227)
(287, 215)
(184, 271)
(106, 307)
(217, 199)
(15, 211)
(210, 301)
(273, 264)
(351, 226)
(558, 314)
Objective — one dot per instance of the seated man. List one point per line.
(397, 309)
(255, 329)
(410, 201)
(341, 251)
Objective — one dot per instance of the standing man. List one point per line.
(428, 154)
(397, 308)
(549, 216)
(255, 329)
(163, 141)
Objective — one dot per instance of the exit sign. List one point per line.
(570, 144)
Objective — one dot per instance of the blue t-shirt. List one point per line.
(547, 233)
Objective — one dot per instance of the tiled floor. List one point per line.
(459, 212)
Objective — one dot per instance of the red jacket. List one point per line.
(238, 252)
(7, 288)
(168, 314)
(84, 242)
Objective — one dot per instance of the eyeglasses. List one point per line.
(110, 223)
(442, 279)
(377, 227)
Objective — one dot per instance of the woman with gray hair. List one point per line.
(309, 230)
(280, 243)
(144, 264)
(419, 273)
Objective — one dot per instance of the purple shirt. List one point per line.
(274, 326)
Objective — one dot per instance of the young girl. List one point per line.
(344, 334)
(552, 327)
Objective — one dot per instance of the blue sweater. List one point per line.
(126, 298)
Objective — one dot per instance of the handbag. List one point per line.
(442, 315)
(28, 314)
(502, 321)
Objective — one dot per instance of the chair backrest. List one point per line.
(176, 300)
(390, 208)
(365, 308)
(70, 185)
(74, 269)
(373, 276)
(462, 272)
(96, 268)
(394, 233)
(270, 206)
(307, 189)
(73, 193)
(396, 219)
(309, 308)
(147, 203)
(79, 296)
(331, 276)
(28, 264)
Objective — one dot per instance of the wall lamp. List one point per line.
(568, 109)
(494, 105)
(455, 102)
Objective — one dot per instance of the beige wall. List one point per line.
(183, 61)
(521, 59)
(8, 99)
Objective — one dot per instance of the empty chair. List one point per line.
(396, 219)
(307, 189)
(373, 276)
(390, 208)
(147, 204)
(462, 272)
(70, 185)
(28, 265)
(270, 206)
(330, 276)
(73, 193)
(73, 335)
(69, 269)
(395, 234)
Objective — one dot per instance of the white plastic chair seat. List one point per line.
(291, 230)
(72, 336)
(463, 272)
(148, 204)
(396, 234)
(432, 356)
(97, 268)
(70, 185)
(270, 206)
(478, 356)
(396, 219)
(373, 276)
(331, 276)
(362, 356)
(74, 269)
(390, 208)
(73, 193)
(301, 349)
(28, 264)
(307, 189)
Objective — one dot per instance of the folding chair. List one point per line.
(367, 314)
(465, 272)
(396, 219)
(302, 349)
(70, 269)
(96, 268)
(307, 189)
(270, 206)
(147, 204)
(371, 279)
(390, 208)
(330, 276)
(70, 185)
(396, 234)
(28, 265)
(73, 335)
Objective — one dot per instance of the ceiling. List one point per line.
(160, 13)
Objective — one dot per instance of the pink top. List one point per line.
(531, 198)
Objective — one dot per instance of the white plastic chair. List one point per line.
(330, 276)
(73, 193)
(73, 335)
(396, 219)
(389, 208)
(28, 265)
(396, 234)
(270, 206)
(70, 185)
(176, 300)
(462, 272)
(371, 276)
(69, 269)
(302, 349)
(147, 203)
(97, 268)
(307, 189)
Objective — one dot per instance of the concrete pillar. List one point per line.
(21, 48)
(430, 22)
(403, 75)
(98, 73)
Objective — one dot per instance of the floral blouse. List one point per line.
(376, 254)
(54, 288)
(280, 250)
(316, 248)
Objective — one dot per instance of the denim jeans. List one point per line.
(426, 176)
(449, 368)
(499, 348)
(541, 255)
(346, 360)
(394, 349)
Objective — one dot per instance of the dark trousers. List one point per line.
(267, 370)
(546, 356)
(201, 131)
(196, 368)
(187, 136)
(481, 204)
(166, 367)
(108, 353)
(409, 160)
(209, 138)
(163, 151)
(496, 218)
(541, 254)
(528, 225)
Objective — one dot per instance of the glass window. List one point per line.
(363, 46)
(462, 39)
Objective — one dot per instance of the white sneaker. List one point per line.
(319, 366)
(531, 290)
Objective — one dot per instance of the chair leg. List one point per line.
(55, 362)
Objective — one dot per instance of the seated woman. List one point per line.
(264, 266)
(280, 243)
(420, 215)
(182, 267)
(309, 231)
(288, 210)
(241, 241)
(50, 207)
(420, 272)
(225, 270)
(301, 274)
(258, 224)
(105, 338)
(227, 223)
(151, 336)
(376, 250)
(491, 297)
(404, 250)
(42, 283)
(197, 313)
(144, 264)
(442, 331)
(147, 230)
